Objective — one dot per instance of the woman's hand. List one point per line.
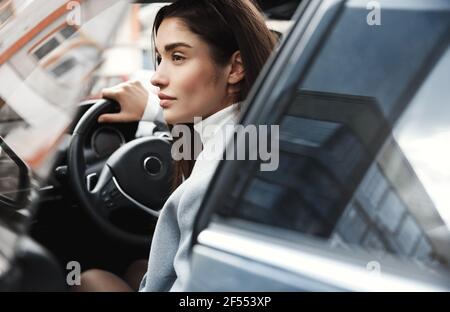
(132, 97)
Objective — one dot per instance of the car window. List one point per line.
(363, 156)
(48, 55)
(47, 62)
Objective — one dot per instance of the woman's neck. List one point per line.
(209, 126)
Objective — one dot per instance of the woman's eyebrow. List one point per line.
(172, 46)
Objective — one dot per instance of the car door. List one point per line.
(357, 200)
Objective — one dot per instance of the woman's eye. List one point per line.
(177, 58)
(158, 59)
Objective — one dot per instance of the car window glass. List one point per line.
(361, 164)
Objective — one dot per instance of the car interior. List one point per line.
(84, 205)
(361, 183)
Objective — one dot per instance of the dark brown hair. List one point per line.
(226, 26)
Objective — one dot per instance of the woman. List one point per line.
(209, 53)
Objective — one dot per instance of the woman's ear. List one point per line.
(237, 71)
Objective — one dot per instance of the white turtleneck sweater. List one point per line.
(168, 266)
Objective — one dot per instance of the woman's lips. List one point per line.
(165, 100)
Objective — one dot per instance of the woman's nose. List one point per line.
(159, 79)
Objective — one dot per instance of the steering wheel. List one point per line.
(136, 176)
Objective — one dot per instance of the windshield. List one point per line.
(49, 51)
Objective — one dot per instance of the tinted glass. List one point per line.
(363, 156)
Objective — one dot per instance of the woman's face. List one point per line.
(191, 84)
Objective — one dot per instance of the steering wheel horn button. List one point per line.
(153, 165)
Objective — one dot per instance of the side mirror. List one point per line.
(14, 180)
